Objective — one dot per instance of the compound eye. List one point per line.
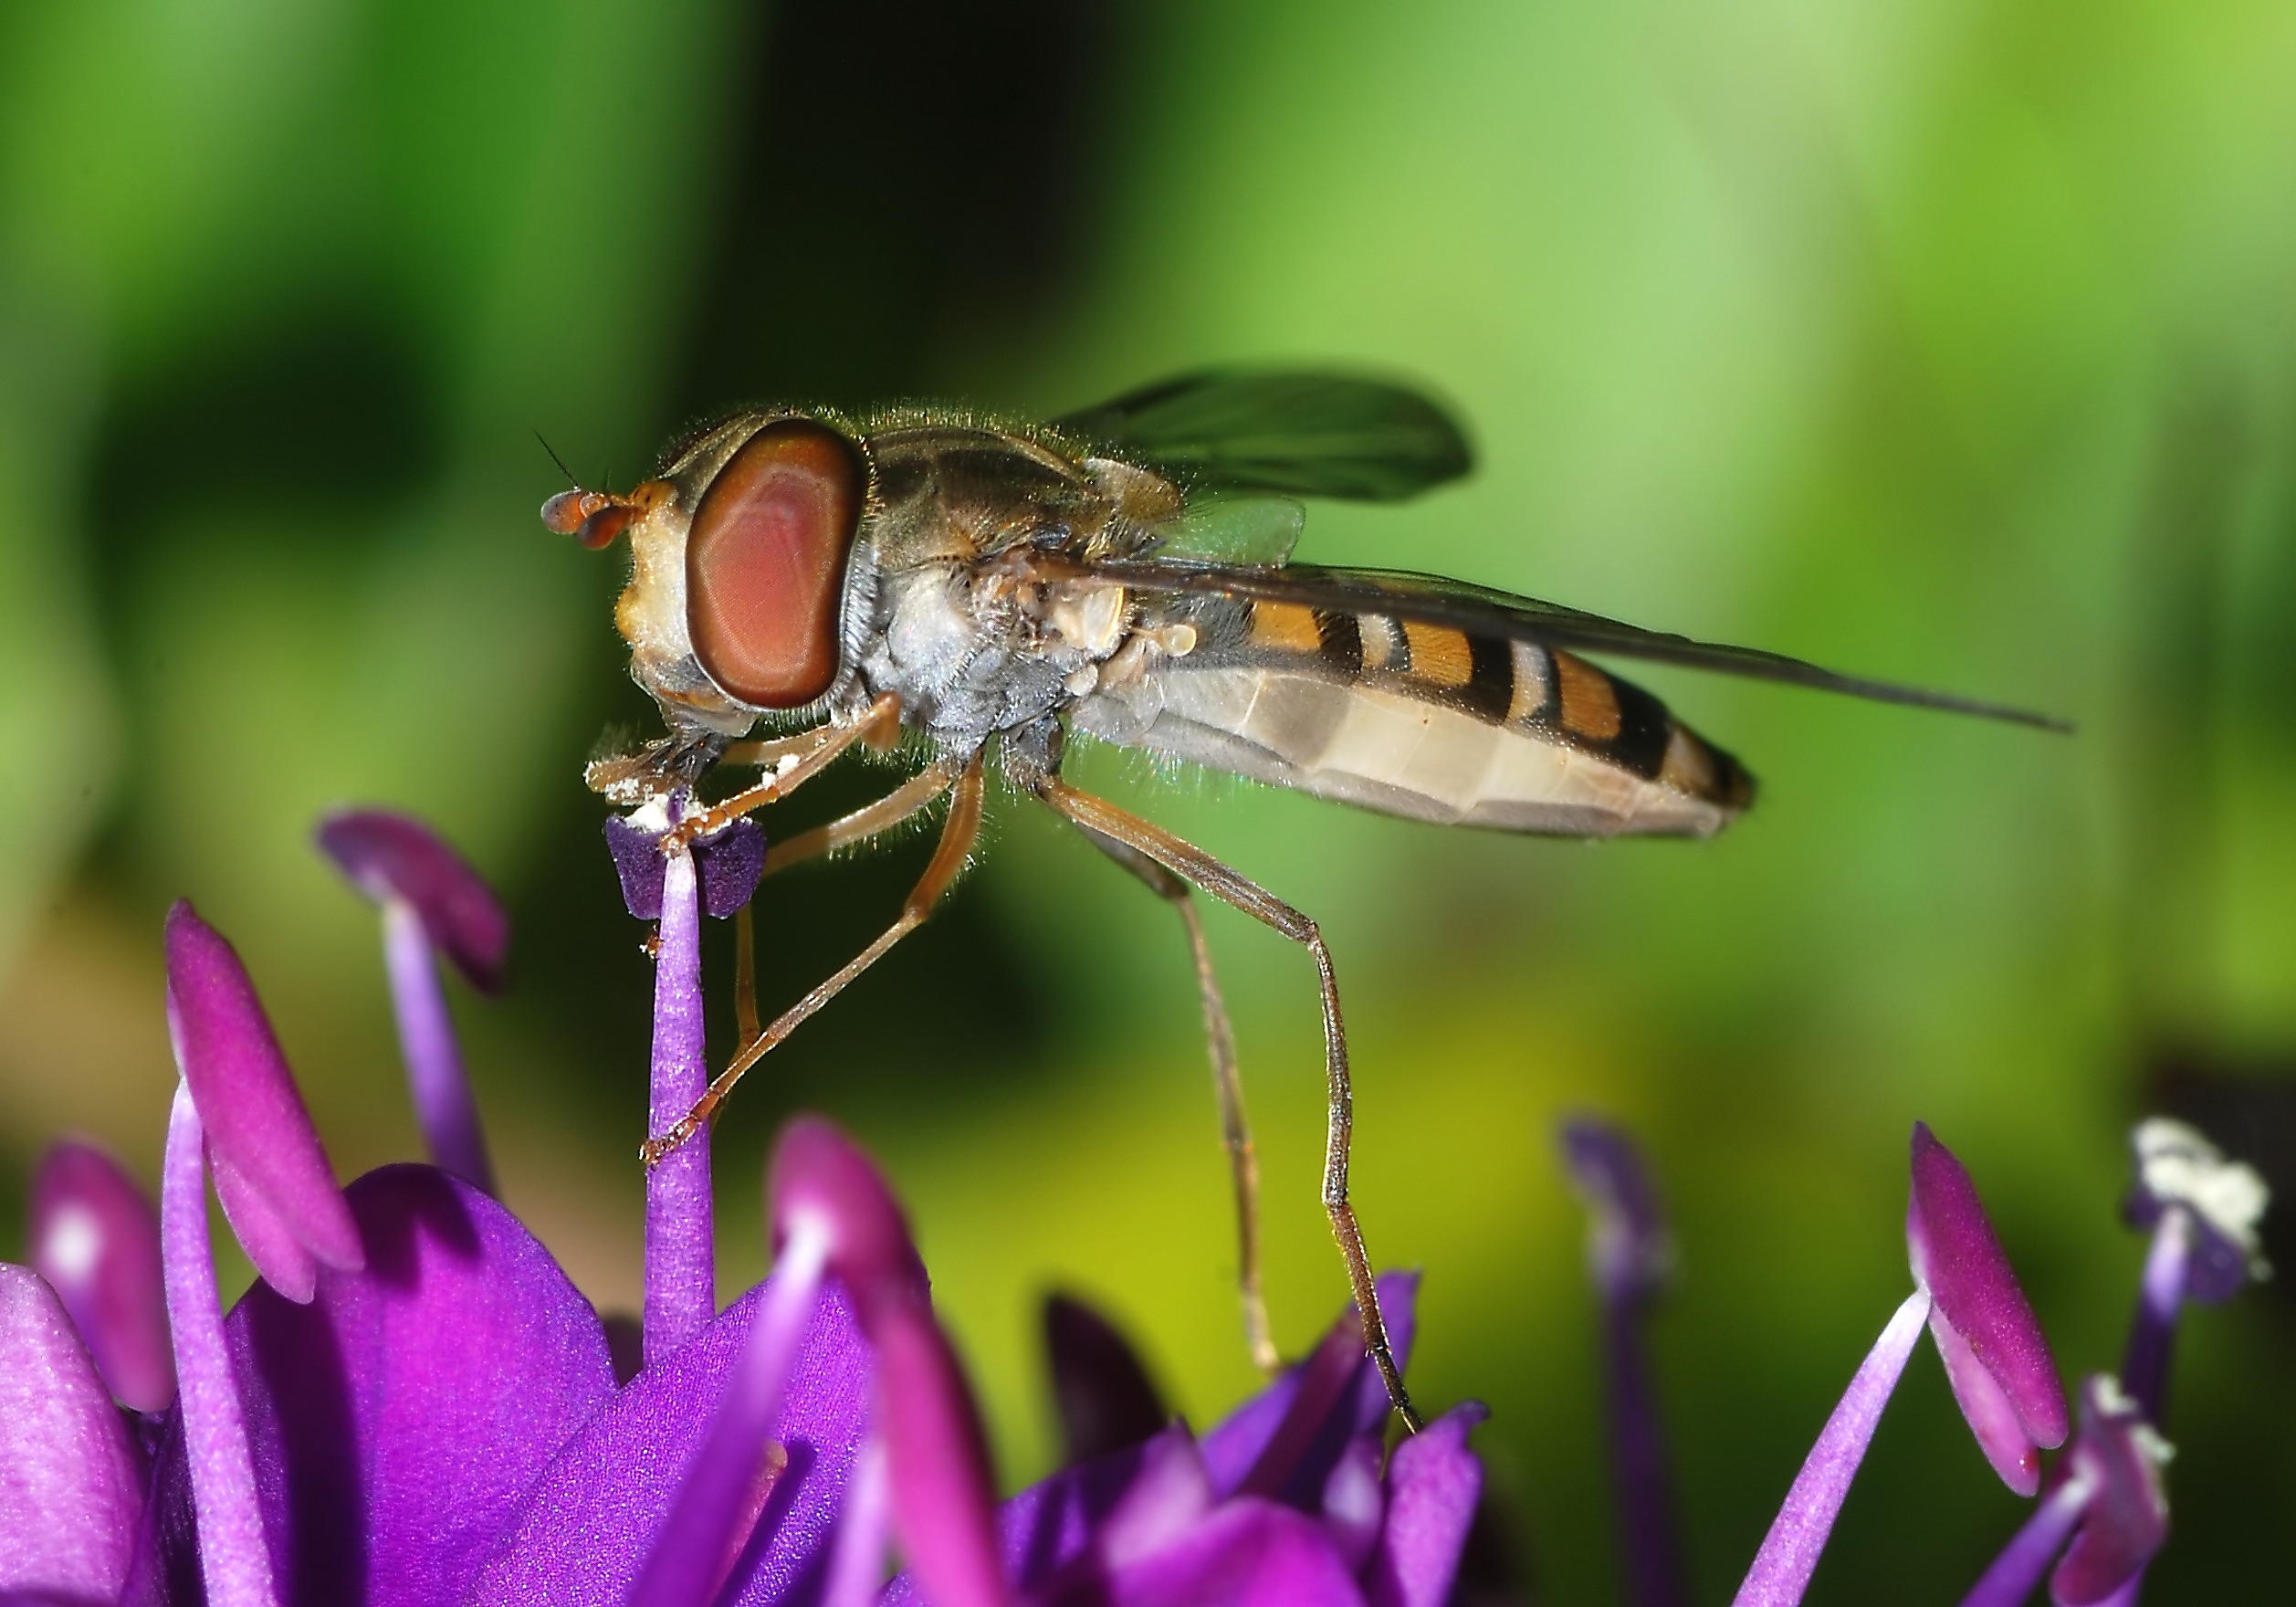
(765, 564)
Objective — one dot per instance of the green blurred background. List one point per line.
(1939, 340)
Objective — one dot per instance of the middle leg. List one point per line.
(1200, 869)
(1219, 1040)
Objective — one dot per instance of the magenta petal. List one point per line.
(395, 857)
(1249, 1553)
(2119, 1456)
(816, 1170)
(71, 1485)
(937, 1456)
(2000, 1433)
(1956, 1257)
(95, 1237)
(1433, 1483)
(252, 1116)
(399, 1420)
(584, 1530)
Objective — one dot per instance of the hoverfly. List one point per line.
(977, 585)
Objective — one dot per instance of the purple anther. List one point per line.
(96, 1238)
(1995, 1358)
(272, 1176)
(729, 860)
(395, 858)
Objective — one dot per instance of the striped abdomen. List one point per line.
(1422, 720)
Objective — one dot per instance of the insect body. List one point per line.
(990, 587)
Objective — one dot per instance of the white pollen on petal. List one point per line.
(75, 1239)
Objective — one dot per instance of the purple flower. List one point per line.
(1995, 1357)
(432, 902)
(414, 1404)
(2204, 1212)
(1284, 1501)
(2107, 1495)
(2107, 1498)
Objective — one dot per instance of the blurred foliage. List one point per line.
(1938, 340)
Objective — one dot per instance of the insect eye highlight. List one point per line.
(765, 564)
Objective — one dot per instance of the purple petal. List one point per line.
(1169, 1494)
(2119, 1456)
(71, 1485)
(211, 1452)
(393, 858)
(1248, 1553)
(1628, 1246)
(731, 1478)
(1956, 1257)
(399, 1420)
(937, 1455)
(1046, 1529)
(1433, 1483)
(1797, 1535)
(1352, 1504)
(730, 861)
(96, 1238)
(2177, 1166)
(444, 1108)
(1241, 1441)
(1103, 1393)
(681, 1269)
(253, 1118)
(582, 1533)
(1989, 1412)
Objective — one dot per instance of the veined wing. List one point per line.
(1300, 435)
(1481, 612)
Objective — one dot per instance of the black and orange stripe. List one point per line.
(1541, 691)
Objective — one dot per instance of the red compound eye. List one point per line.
(765, 564)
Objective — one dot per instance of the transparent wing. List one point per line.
(1482, 611)
(1302, 435)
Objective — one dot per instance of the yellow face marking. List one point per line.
(1378, 631)
(1439, 656)
(1528, 695)
(1590, 708)
(1288, 627)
